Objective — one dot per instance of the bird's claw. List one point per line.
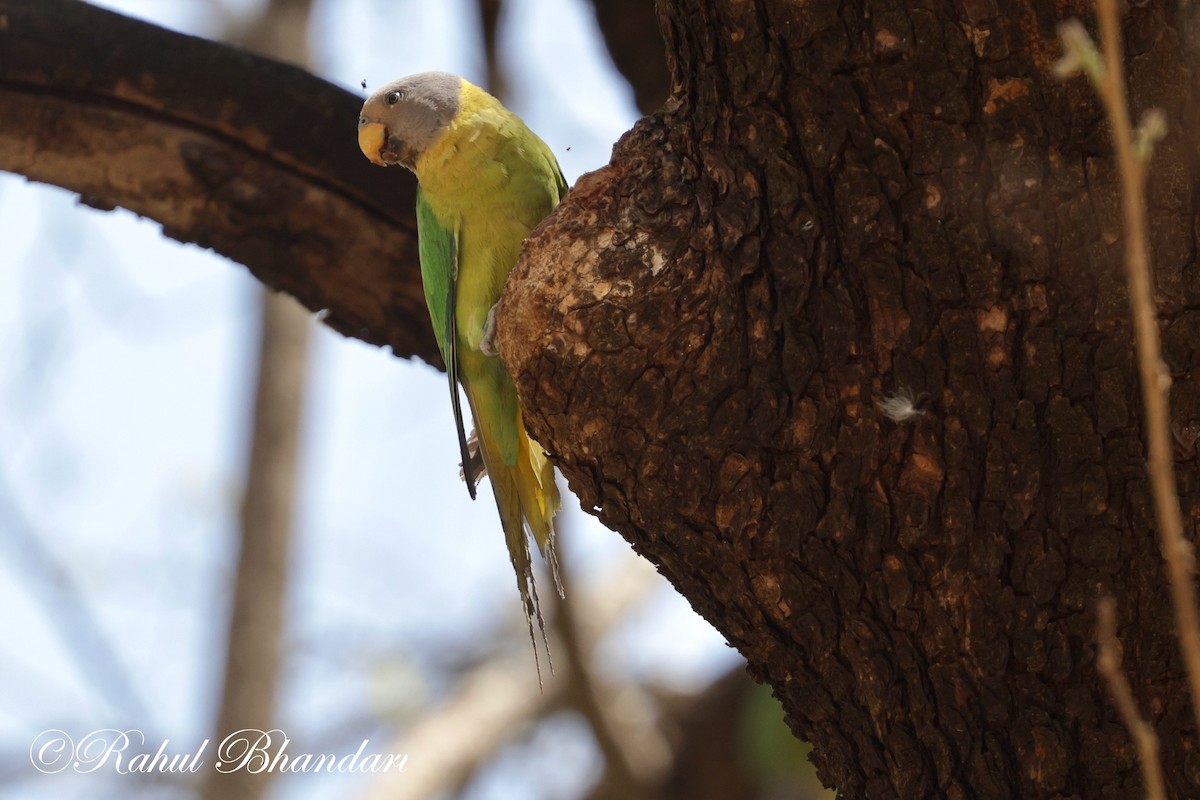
(487, 345)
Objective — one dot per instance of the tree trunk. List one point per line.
(842, 203)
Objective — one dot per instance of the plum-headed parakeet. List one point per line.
(484, 181)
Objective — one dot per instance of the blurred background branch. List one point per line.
(631, 33)
(256, 622)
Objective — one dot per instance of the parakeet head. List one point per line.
(405, 117)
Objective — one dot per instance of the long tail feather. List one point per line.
(527, 499)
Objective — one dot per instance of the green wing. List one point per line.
(438, 250)
(559, 181)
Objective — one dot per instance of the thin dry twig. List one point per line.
(1132, 149)
(1109, 664)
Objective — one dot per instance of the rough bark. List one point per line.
(839, 202)
(252, 158)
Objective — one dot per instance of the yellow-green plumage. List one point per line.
(485, 180)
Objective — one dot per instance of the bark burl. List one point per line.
(841, 202)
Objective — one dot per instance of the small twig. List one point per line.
(1109, 664)
(1133, 151)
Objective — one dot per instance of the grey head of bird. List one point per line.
(400, 120)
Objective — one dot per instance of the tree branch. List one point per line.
(264, 171)
(1155, 379)
(256, 620)
(1132, 149)
(498, 700)
(630, 30)
(1108, 661)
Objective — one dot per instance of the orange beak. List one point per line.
(371, 138)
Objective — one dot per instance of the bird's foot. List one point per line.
(487, 345)
(474, 470)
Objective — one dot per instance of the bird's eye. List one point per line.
(393, 98)
(362, 121)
